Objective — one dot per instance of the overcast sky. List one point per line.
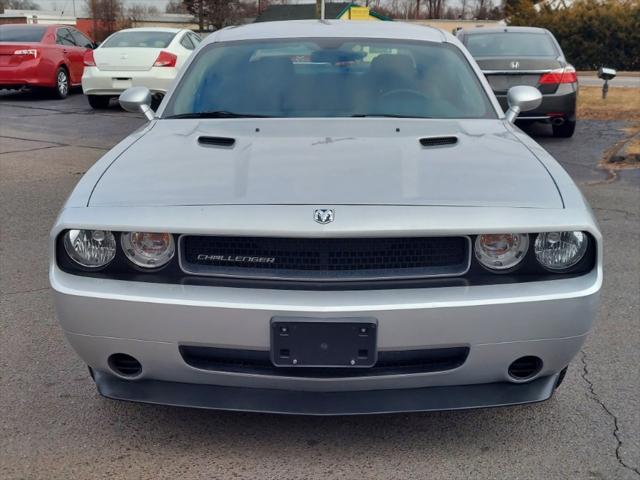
(67, 5)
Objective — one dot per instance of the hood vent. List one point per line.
(438, 141)
(217, 141)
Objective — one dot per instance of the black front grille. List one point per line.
(258, 362)
(324, 258)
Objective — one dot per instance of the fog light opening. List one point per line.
(525, 368)
(125, 365)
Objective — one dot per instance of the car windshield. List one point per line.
(139, 40)
(330, 77)
(510, 44)
(11, 33)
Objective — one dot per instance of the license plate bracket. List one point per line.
(313, 342)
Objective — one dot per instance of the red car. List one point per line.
(42, 56)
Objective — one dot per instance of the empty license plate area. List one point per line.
(323, 343)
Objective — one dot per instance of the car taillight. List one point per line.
(29, 52)
(560, 75)
(88, 59)
(166, 59)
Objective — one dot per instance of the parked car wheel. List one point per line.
(99, 102)
(61, 89)
(565, 130)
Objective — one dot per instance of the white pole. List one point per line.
(322, 10)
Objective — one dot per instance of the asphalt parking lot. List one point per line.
(53, 424)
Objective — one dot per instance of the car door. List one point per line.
(73, 54)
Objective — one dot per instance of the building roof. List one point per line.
(328, 29)
(301, 11)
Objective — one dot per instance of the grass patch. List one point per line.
(621, 104)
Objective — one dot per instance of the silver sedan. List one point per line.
(327, 218)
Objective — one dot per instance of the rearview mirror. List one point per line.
(522, 99)
(137, 99)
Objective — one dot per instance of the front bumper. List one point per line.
(498, 323)
(325, 403)
(100, 82)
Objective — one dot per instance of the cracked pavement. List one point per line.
(53, 425)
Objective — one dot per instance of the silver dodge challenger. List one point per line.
(327, 218)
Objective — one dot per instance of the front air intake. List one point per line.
(438, 141)
(525, 367)
(125, 365)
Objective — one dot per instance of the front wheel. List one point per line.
(99, 102)
(61, 89)
(565, 130)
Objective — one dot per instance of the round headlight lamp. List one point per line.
(501, 251)
(560, 250)
(90, 248)
(148, 250)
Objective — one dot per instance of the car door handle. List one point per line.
(65, 51)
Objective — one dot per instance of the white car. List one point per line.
(147, 57)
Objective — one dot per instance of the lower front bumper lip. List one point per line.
(264, 400)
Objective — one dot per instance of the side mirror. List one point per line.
(522, 99)
(137, 99)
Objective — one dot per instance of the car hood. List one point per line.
(370, 161)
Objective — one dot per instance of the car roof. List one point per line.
(151, 29)
(473, 31)
(328, 28)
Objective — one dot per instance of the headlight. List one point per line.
(90, 248)
(501, 251)
(560, 250)
(148, 250)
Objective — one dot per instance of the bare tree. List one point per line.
(108, 17)
(214, 13)
(137, 12)
(482, 8)
(18, 5)
(175, 6)
(463, 9)
(435, 8)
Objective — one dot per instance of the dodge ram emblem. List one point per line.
(323, 215)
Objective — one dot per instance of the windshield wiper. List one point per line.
(383, 115)
(217, 114)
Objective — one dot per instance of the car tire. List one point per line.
(565, 130)
(61, 90)
(99, 102)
